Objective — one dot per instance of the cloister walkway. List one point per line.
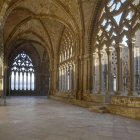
(39, 118)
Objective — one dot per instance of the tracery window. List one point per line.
(22, 73)
(117, 37)
(66, 62)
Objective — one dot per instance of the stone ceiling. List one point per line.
(43, 21)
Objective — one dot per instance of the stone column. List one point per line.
(63, 78)
(36, 81)
(72, 77)
(96, 73)
(76, 78)
(14, 80)
(131, 68)
(8, 80)
(108, 51)
(109, 82)
(93, 72)
(59, 79)
(85, 73)
(89, 73)
(119, 82)
(81, 78)
(5, 81)
(51, 88)
(66, 79)
(100, 72)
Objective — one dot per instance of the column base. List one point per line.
(130, 93)
(107, 97)
(101, 92)
(117, 93)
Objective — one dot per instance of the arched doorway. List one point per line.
(22, 75)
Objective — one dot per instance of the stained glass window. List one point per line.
(22, 73)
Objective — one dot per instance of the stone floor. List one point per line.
(37, 118)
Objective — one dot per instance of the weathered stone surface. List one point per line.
(30, 118)
(68, 28)
(126, 101)
(98, 98)
(125, 106)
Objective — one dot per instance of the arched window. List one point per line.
(117, 36)
(66, 63)
(22, 73)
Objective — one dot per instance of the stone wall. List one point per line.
(125, 106)
(97, 98)
(120, 105)
(73, 101)
(1, 63)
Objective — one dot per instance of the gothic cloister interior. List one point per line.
(82, 55)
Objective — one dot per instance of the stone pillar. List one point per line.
(96, 73)
(109, 82)
(131, 68)
(37, 80)
(5, 81)
(103, 90)
(119, 82)
(14, 80)
(85, 75)
(72, 77)
(108, 51)
(8, 81)
(81, 78)
(100, 72)
(93, 72)
(51, 85)
(89, 73)
(63, 79)
(60, 80)
(66, 79)
(76, 77)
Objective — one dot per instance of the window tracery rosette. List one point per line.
(22, 63)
